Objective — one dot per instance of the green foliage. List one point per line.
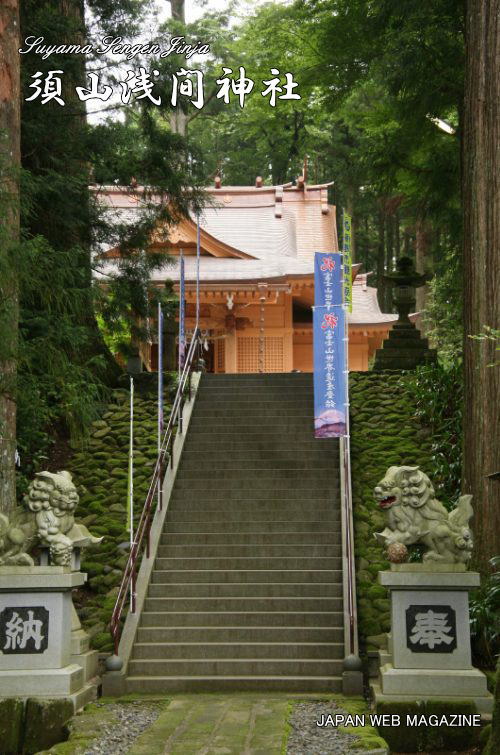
(438, 395)
(428, 739)
(443, 315)
(58, 393)
(372, 78)
(484, 617)
(493, 741)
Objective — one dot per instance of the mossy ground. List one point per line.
(226, 723)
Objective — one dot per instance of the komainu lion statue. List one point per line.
(406, 496)
(47, 519)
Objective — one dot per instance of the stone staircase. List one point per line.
(246, 591)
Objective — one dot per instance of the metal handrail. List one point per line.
(351, 641)
(142, 532)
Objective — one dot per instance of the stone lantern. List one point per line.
(404, 349)
(404, 282)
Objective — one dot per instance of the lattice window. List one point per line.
(248, 354)
(220, 347)
(273, 354)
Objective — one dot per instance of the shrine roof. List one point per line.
(262, 233)
(279, 227)
(365, 306)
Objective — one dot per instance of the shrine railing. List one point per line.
(141, 541)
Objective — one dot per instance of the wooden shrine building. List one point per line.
(256, 276)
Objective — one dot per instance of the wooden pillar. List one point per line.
(288, 333)
(231, 352)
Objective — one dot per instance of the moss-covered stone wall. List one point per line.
(100, 473)
(384, 432)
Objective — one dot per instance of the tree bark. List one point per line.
(178, 118)
(481, 249)
(381, 259)
(351, 210)
(397, 236)
(421, 264)
(406, 243)
(389, 251)
(10, 158)
(178, 10)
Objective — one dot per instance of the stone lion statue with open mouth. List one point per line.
(406, 495)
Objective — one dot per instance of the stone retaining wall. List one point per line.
(100, 473)
(384, 432)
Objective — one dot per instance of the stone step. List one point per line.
(236, 667)
(271, 435)
(246, 590)
(245, 551)
(219, 399)
(260, 505)
(185, 684)
(215, 605)
(307, 462)
(254, 413)
(241, 618)
(266, 481)
(308, 535)
(253, 500)
(211, 511)
(267, 563)
(202, 443)
(246, 576)
(301, 424)
(276, 380)
(159, 589)
(263, 634)
(271, 397)
(237, 650)
(176, 525)
(325, 472)
(259, 379)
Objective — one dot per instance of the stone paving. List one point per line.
(266, 723)
(217, 725)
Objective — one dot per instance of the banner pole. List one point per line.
(197, 270)
(160, 390)
(347, 305)
(181, 314)
(130, 485)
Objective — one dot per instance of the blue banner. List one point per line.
(329, 332)
(327, 279)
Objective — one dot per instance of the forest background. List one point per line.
(399, 107)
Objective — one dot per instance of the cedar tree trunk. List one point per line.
(481, 208)
(10, 126)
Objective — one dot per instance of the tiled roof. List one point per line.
(365, 306)
(280, 228)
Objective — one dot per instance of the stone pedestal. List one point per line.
(41, 645)
(404, 349)
(429, 655)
